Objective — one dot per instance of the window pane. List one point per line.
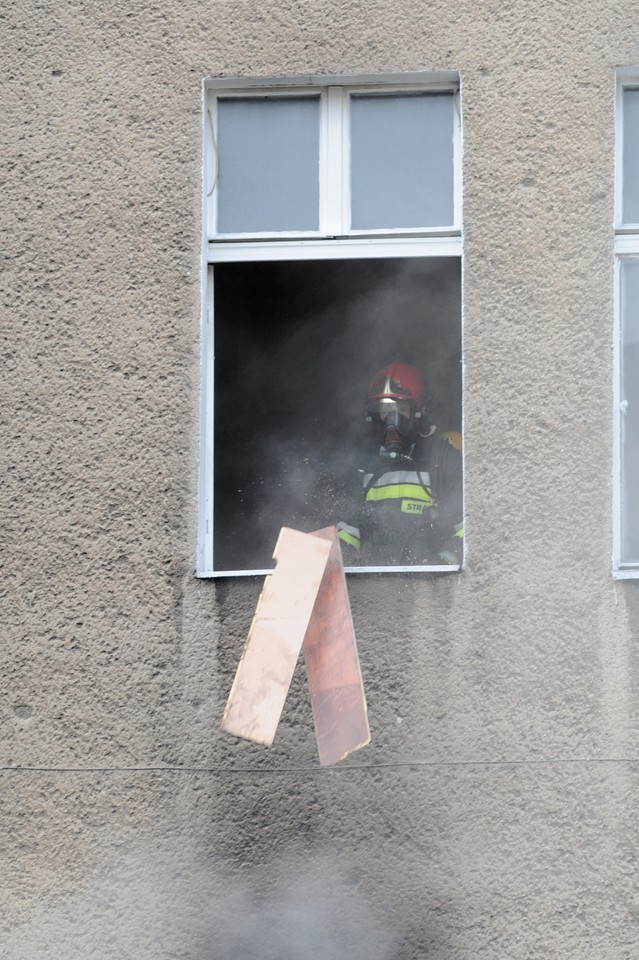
(402, 172)
(268, 164)
(630, 419)
(630, 178)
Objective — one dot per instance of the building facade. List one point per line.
(494, 813)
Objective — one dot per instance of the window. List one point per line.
(626, 405)
(331, 245)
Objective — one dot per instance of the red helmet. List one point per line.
(398, 381)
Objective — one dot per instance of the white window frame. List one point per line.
(334, 240)
(626, 246)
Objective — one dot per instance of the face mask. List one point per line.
(392, 421)
(392, 445)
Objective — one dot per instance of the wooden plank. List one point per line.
(268, 660)
(332, 664)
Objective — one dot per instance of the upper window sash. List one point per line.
(334, 161)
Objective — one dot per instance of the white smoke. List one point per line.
(151, 908)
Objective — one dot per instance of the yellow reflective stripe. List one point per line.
(460, 532)
(348, 538)
(399, 491)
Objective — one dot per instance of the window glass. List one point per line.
(630, 406)
(630, 205)
(268, 157)
(402, 170)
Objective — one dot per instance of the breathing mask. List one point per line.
(393, 423)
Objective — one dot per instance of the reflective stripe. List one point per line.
(347, 538)
(348, 534)
(399, 491)
(459, 530)
(346, 527)
(398, 476)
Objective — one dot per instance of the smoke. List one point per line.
(152, 909)
(296, 344)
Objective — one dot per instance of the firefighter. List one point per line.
(409, 507)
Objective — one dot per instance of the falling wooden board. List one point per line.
(332, 664)
(275, 639)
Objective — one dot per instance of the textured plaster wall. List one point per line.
(494, 814)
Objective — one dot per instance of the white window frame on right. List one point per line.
(625, 561)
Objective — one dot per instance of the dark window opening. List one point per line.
(296, 344)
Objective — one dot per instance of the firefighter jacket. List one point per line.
(409, 512)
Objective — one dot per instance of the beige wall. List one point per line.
(494, 814)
